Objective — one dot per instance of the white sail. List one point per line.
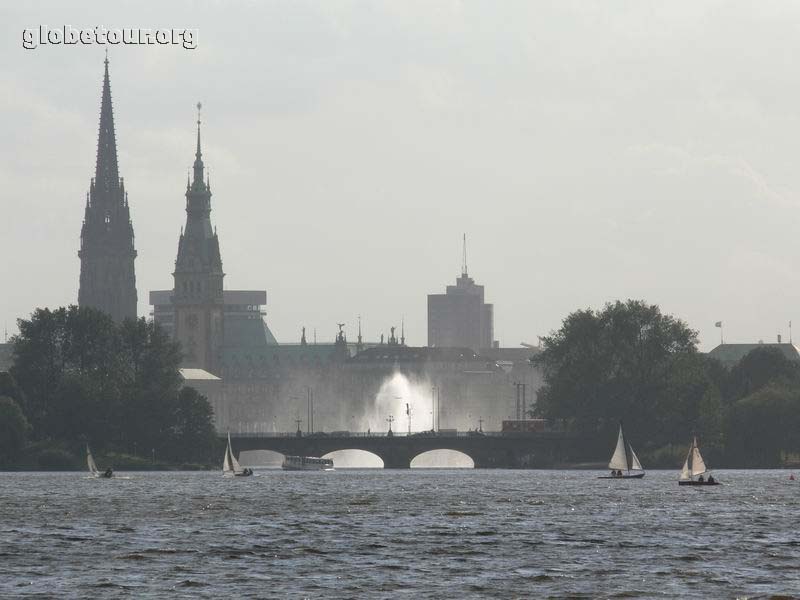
(230, 466)
(635, 464)
(698, 464)
(90, 462)
(227, 466)
(685, 472)
(620, 459)
(694, 464)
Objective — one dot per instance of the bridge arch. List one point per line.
(442, 458)
(355, 458)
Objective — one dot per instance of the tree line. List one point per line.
(78, 377)
(629, 362)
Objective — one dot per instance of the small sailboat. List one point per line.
(624, 459)
(93, 470)
(695, 466)
(231, 466)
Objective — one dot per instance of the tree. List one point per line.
(13, 429)
(628, 361)
(763, 426)
(150, 383)
(53, 345)
(759, 368)
(87, 378)
(194, 434)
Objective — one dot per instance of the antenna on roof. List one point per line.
(464, 257)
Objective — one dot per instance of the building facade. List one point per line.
(108, 279)
(460, 318)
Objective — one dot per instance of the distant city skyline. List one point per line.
(586, 152)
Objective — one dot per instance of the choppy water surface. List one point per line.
(419, 533)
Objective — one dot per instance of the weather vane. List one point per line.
(199, 106)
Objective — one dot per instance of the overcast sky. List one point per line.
(590, 151)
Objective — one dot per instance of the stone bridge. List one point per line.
(487, 450)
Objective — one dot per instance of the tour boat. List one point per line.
(307, 463)
(231, 466)
(93, 470)
(695, 466)
(624, 458)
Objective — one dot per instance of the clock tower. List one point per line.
(197, 294)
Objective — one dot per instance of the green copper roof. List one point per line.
(730, 354)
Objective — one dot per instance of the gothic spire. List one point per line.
(106, 173)
(464, 258)
(198, 156)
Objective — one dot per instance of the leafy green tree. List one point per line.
(66, 343)
(194, 433)
(116, 386)
(759, 368)
(626, 362)
(764, 425)
(150, 384)
(13, 429)
(9, 388)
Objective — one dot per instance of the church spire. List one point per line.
(106, 172)
(108, 279)
(464, 257)
(198, 156)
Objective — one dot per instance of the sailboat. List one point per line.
(231, 466)
(624, 459)
(93, 470)
(695, 466)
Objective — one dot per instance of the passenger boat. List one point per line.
(695, 466)
(624, 458)
(307, 463)
(231, 466)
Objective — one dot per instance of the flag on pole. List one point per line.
(718, 324)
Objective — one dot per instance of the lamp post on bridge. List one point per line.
(390, 420)
(299, 431)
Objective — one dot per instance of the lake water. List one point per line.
(407, 534)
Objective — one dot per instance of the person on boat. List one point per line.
(613, 473)
(711, 479)
(700, 479)
(109, 473)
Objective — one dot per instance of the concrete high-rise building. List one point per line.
(108, 280)
(460, 317)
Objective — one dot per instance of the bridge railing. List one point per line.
(384, 434)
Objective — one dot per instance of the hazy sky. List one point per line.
(590, 151)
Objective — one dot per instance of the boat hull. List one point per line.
(698, 482)
(632, 476)
(306, 463)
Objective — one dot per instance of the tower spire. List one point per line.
(464, 257)
(107, 280)
(198, 156)
(106, 171)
